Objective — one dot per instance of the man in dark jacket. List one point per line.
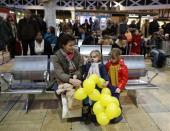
(27, 30)
(153, 26)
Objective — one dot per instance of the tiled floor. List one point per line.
(153, 113)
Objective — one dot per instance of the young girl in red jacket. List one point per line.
(117, 71)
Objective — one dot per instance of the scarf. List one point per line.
(94, 69)
(69, 57)
(113, 73)
(39, 47)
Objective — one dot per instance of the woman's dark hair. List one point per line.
(9, 16)
(52, 30)
(65, 38)
(38, 33)
(105, 33)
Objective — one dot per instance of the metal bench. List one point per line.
(136, 70)
(29, 75)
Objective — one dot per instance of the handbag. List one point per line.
(18, 48)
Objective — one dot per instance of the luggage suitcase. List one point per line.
(158, 58)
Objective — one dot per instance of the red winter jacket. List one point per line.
(136, 49)
(122, 74)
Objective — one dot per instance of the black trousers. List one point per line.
(25, 45)
(113, 91)
(11, 47)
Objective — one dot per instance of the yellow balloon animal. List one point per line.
(80, 94)
(106, 91)
(112, 111)
(100, 82)
(98, 108)
(94, 77)
(102, 119)
(115, 101)
(105, 99)
(95, 95)
(89, 86)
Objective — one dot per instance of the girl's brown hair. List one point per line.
(115, 52)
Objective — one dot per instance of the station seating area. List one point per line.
(30, 74)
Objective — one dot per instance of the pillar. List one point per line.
(50, 13)
(73, 14)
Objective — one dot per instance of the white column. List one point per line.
(50, 13)
(73, 14)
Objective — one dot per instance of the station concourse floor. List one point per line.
(153, 113)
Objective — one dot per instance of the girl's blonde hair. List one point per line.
(97, 52)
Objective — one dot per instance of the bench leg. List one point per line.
(133, 95)
(29, 100)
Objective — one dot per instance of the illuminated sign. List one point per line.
(133, 15)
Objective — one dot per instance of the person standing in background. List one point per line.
(76, 27)
(12, 28)
(3, 34)
(123, 26)
(86, 27)
(153, 26)
(145, 29)
(96, 25)
(42, 24)
(27, 30)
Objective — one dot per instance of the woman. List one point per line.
(68, 69)
(41, 47)
(68, 62)
(12, 35)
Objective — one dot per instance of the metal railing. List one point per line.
(88, 3)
